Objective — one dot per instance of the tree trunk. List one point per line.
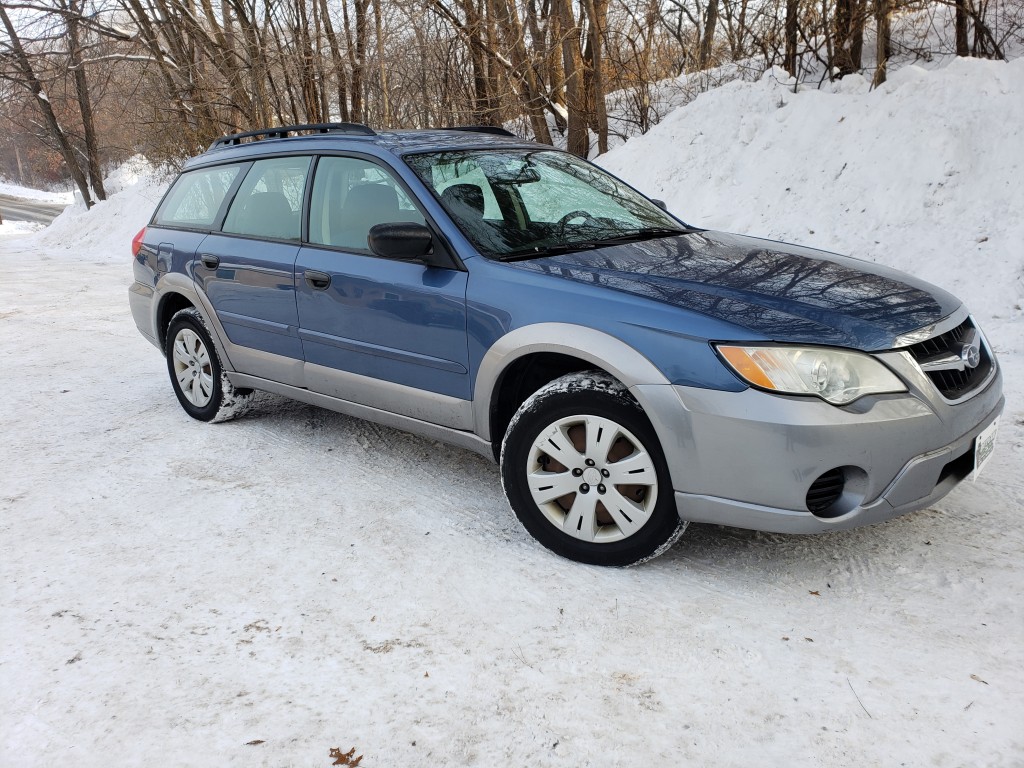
(473, 30)
(21, 167)
(29, 80)
(857, 33)
(358, 59)
(708, 39)
(385, 97)
(792, 27)
(963, 47)
(883, 43)
(336, 61)
(554, 64)
(92, 151)
(597, 11)
(849, 37)
(578, 141)
(533, 99)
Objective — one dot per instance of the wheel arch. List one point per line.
(170, 304)
(177, 292)
(525, 359)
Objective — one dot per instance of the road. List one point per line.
(17, 209)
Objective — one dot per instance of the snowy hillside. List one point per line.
(264, 591)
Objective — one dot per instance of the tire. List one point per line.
(562, 453)
(197, 375)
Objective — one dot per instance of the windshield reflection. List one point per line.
(528, 203)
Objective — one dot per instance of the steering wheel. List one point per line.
(563, 222)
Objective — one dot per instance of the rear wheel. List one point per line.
(583, 470)
(197, 375)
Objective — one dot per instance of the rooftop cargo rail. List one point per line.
(282, 132)
(492, 129)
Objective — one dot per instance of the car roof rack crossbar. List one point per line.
(282, 131)
(492, 129)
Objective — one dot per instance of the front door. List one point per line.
(384, 333)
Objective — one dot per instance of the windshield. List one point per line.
(520, 203)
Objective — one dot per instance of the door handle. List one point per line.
(210, 261)
(318, 281)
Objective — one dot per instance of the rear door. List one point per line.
(192, 207)
(247, 270)
(385, 333)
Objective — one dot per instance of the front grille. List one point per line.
(825, 491)
(953, 384)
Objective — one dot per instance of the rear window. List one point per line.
(196, 197)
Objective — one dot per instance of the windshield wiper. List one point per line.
(555, 249)
(647, 233)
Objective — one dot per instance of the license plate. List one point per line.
(984, 444)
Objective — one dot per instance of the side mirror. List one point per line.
(660, 204)
(405, 240)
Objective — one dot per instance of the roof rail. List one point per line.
(281, 132)
(493, 129)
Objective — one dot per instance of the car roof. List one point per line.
(396, 142)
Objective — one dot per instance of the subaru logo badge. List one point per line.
(970, 353)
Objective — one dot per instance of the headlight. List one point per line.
(834, 375)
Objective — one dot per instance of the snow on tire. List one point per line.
(583, 470)
(197, 376)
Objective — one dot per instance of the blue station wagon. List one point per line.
(629, 372)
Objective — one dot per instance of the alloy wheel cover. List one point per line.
(585, 484)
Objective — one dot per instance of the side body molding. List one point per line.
(603, 350)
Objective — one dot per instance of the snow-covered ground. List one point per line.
(262, 591)
(27, 193)
(9, 227)
(18, 228)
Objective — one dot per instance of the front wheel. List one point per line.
(197, 375)
(583, 470)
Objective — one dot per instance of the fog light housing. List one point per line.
(825, 491)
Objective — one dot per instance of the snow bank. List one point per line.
(105, 232)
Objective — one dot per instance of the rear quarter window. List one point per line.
(196, 197)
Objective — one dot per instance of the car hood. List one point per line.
(781, 292)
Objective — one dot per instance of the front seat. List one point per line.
(365, 206)
(466, 203)
(268, 214)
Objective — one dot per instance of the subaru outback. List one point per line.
(629, 372)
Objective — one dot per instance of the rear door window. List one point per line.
(196, 198)
(269, 201)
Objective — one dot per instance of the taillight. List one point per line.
(137, 242)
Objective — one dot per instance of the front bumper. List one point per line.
(747, 459)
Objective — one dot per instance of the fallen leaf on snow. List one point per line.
(254, 742)
(814, 592)
(345, 758)
(975, 677)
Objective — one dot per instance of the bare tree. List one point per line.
(29, 79)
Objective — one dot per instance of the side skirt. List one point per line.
(457, 437)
